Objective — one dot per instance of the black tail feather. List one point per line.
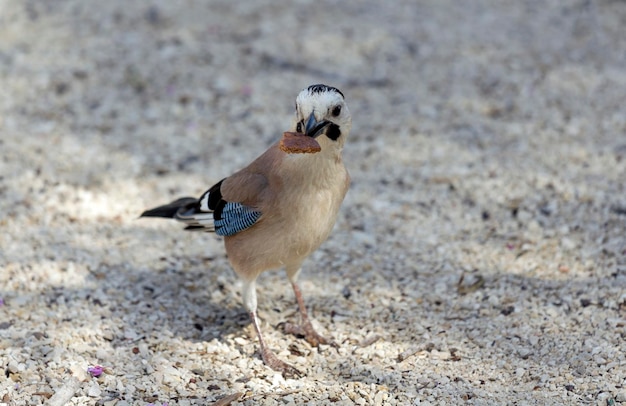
(170, 210)
(196, 228)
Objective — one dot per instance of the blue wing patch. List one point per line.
(233, 218)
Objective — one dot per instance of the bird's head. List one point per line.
(321, 113)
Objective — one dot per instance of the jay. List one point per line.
(280, 208)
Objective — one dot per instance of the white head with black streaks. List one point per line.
(322, 113)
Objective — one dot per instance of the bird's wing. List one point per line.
(238, 201)
(211, 212)
(234, 203)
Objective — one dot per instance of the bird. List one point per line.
(280, 208)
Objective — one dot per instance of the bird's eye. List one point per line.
(336, 111)
(299, 128)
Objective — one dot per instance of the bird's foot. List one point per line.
(307, 331)
(272, 361)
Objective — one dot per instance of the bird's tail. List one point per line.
(170, 210)
(185, 210)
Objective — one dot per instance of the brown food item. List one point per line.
(298, 143)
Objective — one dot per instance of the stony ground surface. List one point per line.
(480, 255)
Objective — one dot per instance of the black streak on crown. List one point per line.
(319, 88)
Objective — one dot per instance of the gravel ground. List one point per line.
(479, 257)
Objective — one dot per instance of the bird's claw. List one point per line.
(272, 361)
(307, 331)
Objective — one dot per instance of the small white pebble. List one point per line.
(380, 398)
(599, 360)
(603, 396)
(171, 376)
(13, 367)
(94, 390)
(278, 380)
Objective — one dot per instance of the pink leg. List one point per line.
(269, 358)
(305, 328)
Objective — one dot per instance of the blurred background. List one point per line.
(480, 255)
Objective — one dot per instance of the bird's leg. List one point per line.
(269, 358)
(305, 329)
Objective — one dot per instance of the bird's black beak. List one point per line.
(312, 128)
